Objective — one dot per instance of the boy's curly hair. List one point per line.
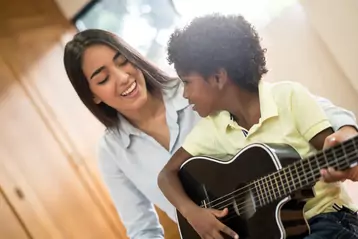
(216, 41)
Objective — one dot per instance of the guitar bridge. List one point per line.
(204, 204)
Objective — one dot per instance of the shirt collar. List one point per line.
(174, 102)
(268, 105)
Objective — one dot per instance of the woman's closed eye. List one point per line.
(121, 61)
(103, 81)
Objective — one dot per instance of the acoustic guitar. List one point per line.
(264, 186)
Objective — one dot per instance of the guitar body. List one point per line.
(207, 180)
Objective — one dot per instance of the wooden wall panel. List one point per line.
(39, 180)
(49, 165)
(12, 178)
(10, 225)
(41, 73)
(32, 48)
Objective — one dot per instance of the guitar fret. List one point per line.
(258, 193)
(317, 162)
(335, 156)
(262, 191)
(325, 158)
(272, 187)
(268, 190)
(269, 186)
(355, 148)
(282, 183)
(291, 183)
(345, 154)
(287, 183)
(298, 175)
(277, 186)
(304, 172)
(311, 171)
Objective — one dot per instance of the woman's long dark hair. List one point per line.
(155, 79)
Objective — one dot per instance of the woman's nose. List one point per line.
(122, 77)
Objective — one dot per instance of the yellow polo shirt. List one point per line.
(290, 115)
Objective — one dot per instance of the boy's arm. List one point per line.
(345, 126)
(204, 221)
(197, 142)
(170, 184)
(319, 139)
(310, 119)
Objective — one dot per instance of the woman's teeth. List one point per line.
(130, 89)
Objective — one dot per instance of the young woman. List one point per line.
(146, 118)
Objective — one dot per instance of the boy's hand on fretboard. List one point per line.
(331, 175)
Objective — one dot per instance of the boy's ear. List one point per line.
(221, 78)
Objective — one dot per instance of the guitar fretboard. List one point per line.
(304, 172)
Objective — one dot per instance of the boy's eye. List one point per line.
(185, 81)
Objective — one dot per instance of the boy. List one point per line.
(221, 62)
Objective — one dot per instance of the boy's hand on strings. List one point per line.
(206, 223)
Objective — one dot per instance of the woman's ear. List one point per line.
(96, 100)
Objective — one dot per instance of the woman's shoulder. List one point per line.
(109, 144)
(175, 97)
(174, 90)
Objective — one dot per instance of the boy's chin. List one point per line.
(203, 114)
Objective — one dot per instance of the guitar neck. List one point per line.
(305, 172)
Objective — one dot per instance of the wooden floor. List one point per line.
(49, 181)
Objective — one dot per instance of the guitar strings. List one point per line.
(302, 162)
(232, 213)
(236, 192)
(267, 198)
(351, 143)
(242, 208)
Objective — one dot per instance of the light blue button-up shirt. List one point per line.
(130, 162)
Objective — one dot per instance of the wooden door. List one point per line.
(48, 138)
(11, 226)
(36, 173)
(32, 46)
(32, 69)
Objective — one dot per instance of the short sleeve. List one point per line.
(309, 117)
(201, 140)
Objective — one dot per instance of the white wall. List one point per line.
(295, 51)
(337, 24)
(70, 8)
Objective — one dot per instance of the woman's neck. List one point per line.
(153, 107)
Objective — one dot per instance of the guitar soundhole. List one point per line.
(244, 203)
